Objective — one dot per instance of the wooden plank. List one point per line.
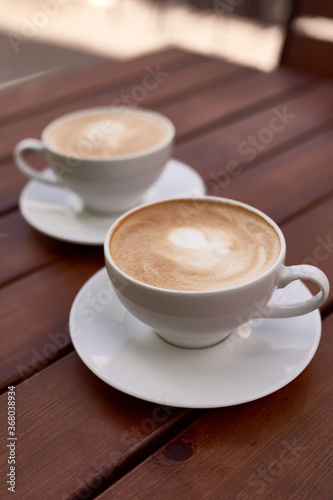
(285, 184)
(12, 183)
(173, 84)
(61, 86)
(277, 447)
(236, 99)
(309, 238)
(35, 312)
(261, 135)
(74, 431)
(24, 249)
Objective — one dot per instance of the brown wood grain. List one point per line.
(12, 183)
(277, 447)
(246, 142)
(285, 184)
(234, 100)
(74, 431)
(24, 249)
(35, 313)
(309, 238)
(69, 85)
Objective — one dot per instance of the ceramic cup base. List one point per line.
(201, 344)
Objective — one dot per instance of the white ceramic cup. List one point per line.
(196, 319)
(105, 185)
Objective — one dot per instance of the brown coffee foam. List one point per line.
(186, 245)
(104, 135)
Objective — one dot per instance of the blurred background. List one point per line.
(42, 35)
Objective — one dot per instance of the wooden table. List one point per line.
(77, 437)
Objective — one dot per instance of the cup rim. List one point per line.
(146, 286)
(100, 109)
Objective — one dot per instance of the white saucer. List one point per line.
(59, 213)
(248, 365)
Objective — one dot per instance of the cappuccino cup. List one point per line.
(109, 156)
(195, 270)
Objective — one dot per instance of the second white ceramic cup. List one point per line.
(105, 185)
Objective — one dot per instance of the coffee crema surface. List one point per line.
(107, 134)
(194, 245)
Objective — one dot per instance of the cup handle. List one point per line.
(32, 145)
(293, 273)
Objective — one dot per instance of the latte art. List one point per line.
(201, 245)
(107, 134)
